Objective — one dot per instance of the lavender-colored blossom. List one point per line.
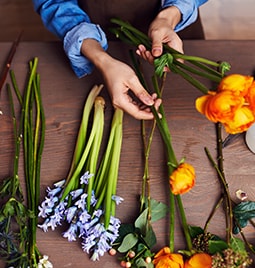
(70, 213)
(81, 203)
(76, 193)
(44, 226)
(98, 213)
(59, 183)
(71, 233)
(93, 200)
(44, 210)
(84, 179)
(117, 199)
(84, 217)
(97, 238)
(54, 191)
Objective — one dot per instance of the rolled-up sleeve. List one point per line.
(188, 9)
(72, 46)
(72, 25)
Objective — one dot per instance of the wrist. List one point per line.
(172, 15)
(93, 51)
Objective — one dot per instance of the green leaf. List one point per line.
(123, 231)
(243, 212)
(237, 244)
(161, 62)
(141, 221)
(195, 231)
(217, 246)
(128, 242)
(158, 210)
(150, 237)
(8, 209)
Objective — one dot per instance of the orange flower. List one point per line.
(165, 259)
(199, 260)
(250, 97)
(182, 179)
(220, 107)
(236, 83)
(242, 120)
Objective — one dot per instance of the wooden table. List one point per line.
(63, 97)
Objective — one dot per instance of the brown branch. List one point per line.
(7, 66)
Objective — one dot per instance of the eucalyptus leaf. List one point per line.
(128, 242)
(158, 210)
(141, 221)
(217, 246)
(150, 237)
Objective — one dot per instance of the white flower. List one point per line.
(45, 263)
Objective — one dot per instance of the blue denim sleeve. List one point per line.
(72, 25)
(188, 9)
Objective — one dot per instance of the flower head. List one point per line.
(165, 259)
(199, 260)
(182, 178)
(233, 104)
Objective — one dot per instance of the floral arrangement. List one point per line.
(85, 201)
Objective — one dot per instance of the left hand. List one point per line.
(161, 31)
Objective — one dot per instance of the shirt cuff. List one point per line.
(188, 11)
(72, 46)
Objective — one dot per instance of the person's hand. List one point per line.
(161, 31)
(121, 82)
(127, 92)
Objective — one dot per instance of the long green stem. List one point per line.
(184, 222)
(82, 135)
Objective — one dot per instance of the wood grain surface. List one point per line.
(63, 98)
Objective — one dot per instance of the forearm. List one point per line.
(171, 15)
(94, 52)
(188, 10)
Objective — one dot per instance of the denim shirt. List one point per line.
(70, 23)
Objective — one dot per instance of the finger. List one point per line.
(134, 110)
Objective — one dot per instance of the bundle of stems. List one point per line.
(22, 249)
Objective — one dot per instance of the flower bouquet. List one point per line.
(86, 199)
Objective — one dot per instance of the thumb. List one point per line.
(156, 49)
(141, 93)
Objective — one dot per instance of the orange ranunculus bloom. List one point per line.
(241, 121)
(220, 107)
(199, 260)
(182, 178)
(165, 259)
(250, 97)
(236, 83)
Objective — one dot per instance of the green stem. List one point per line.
(82, 135)
(184, 222)
(95, 148)
(73, 178)
(108, 172)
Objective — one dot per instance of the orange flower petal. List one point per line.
(236, 83)
(165, 259)
(199, 260)
(241, 121)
